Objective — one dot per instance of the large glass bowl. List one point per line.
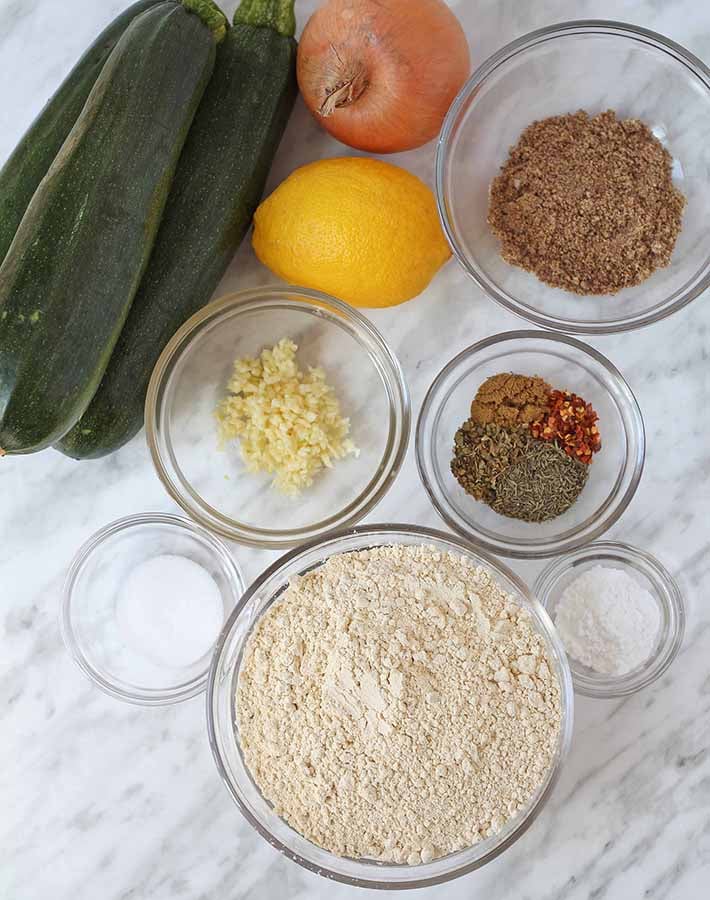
(224, 737)
(590, 65)
(190, 379)
(565, 363)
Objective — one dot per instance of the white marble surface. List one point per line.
(104, 800)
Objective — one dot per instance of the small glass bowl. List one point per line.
(89, 620)
(190, 379)
(649, 573)
(590, 65)
(224, 737)
(567, 364)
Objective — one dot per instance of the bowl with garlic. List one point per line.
(277, 414)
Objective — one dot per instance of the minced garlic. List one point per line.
(288, 422)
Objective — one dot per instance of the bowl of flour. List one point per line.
(389, 707)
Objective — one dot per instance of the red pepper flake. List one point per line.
(572, 424)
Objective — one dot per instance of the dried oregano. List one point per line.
(515, 474)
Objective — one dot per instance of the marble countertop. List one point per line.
(106, 800)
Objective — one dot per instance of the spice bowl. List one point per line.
(648, 572)
(224, 733)
(212, 484)
(563, 362)
(593, 66)
(101, 626)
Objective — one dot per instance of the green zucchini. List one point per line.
(69, 277)
(30, 160)
(218, 185)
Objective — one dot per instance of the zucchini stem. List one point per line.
(211, 15)
(276, 14)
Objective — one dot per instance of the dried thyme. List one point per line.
(515, 474)
(540, 486)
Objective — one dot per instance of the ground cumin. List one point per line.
(587, 203)
(509, 399)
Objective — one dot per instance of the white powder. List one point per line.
(608, 621)
(397, 704)
(170, 611)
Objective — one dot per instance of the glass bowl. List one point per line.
(648, 572)
(224, 738)
(590, 65)
(565, 363)
(90, 618)
(190, 379)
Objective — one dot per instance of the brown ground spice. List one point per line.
(509, 399)
(587, 203)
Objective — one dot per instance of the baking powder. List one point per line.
(608, 621)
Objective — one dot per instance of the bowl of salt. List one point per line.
(144, 602)
(619, 613)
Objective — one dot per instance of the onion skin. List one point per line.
(380, 75)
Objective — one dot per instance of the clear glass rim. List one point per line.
(329, 545)
(308, 301)
(584, 533)
(692, 289)
(144, 696)
(610, 688)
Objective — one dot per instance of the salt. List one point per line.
(170, 611)
(608, 621)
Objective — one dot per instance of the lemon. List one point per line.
(362, 230)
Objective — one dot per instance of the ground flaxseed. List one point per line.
(587, 203)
